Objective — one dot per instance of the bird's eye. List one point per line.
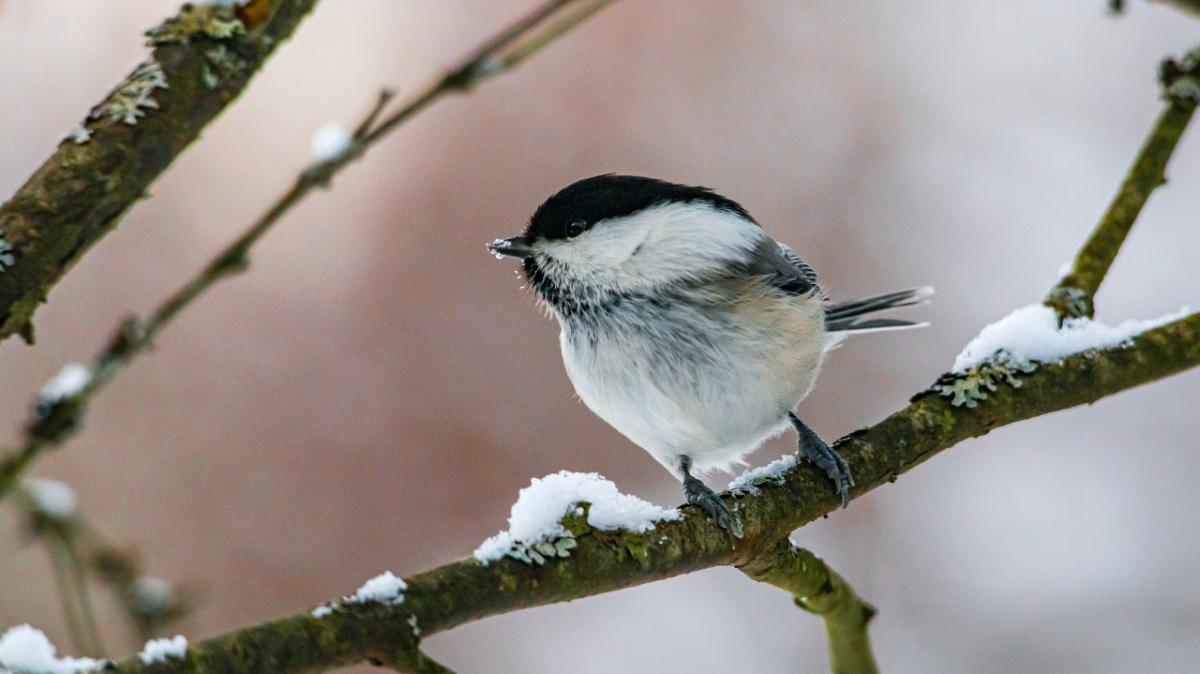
(575, 228)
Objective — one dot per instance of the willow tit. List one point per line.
(685, 326)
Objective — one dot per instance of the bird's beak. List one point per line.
(518, 247)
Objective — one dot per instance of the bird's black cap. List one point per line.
(610, 196)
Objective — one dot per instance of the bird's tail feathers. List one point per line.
(846, 316)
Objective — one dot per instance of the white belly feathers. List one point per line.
(682, 382)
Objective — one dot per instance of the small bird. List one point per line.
(685, 326)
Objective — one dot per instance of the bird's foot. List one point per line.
(698, 494)
(820, 454)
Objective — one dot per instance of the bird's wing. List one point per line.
(782, 268)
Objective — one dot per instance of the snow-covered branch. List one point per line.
(603, 560)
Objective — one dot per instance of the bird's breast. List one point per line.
(714, 370)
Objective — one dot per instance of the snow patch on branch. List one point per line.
(748, 482)
(385, 588)
(535, 522)
(158, 650)
(69, 382)
(52, 498)
(331, 141)
(26, 650)
(1032, 335)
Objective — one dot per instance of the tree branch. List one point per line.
(501, 53)
(203, 58)
(75, 548)
(463, 591)
(820, 590)
(1074, 295)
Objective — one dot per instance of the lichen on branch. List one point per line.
(109, 160)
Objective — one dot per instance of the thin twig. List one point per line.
(66, 595)
(135, 336)
(77, 551)
(1074, 295)
(83, 595)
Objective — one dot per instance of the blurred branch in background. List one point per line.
(1189, 6)
(79, 553)
(60, 411)
(1074, 295)
(202, 59)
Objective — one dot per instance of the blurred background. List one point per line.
(374, 392)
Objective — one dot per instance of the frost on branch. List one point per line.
(1018, 343)
(25, 650)
(749, 481)
(535, 526)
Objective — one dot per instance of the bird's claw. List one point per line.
(698, 494)
(820, 454)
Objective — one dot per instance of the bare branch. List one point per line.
(133, 337)
(820, 590)
(1074, 295)
(203, 58)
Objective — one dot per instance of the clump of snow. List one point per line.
(747, 482)
(52, 498)
(331, 141)
(158, 650)
(1032, 334)
(70, 381)
(537, 514)
(26, 650)
(322, 611)
(385, 588)
(151, 595)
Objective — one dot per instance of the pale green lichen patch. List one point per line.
(970, 388)
(1181, 78)
(219, 23)
(135, 95)
(219, 63)
(537, 553)
(7, 259)
(79, 134)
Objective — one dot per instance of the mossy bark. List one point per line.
(80, 193)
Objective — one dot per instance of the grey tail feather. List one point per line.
(844, 317)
